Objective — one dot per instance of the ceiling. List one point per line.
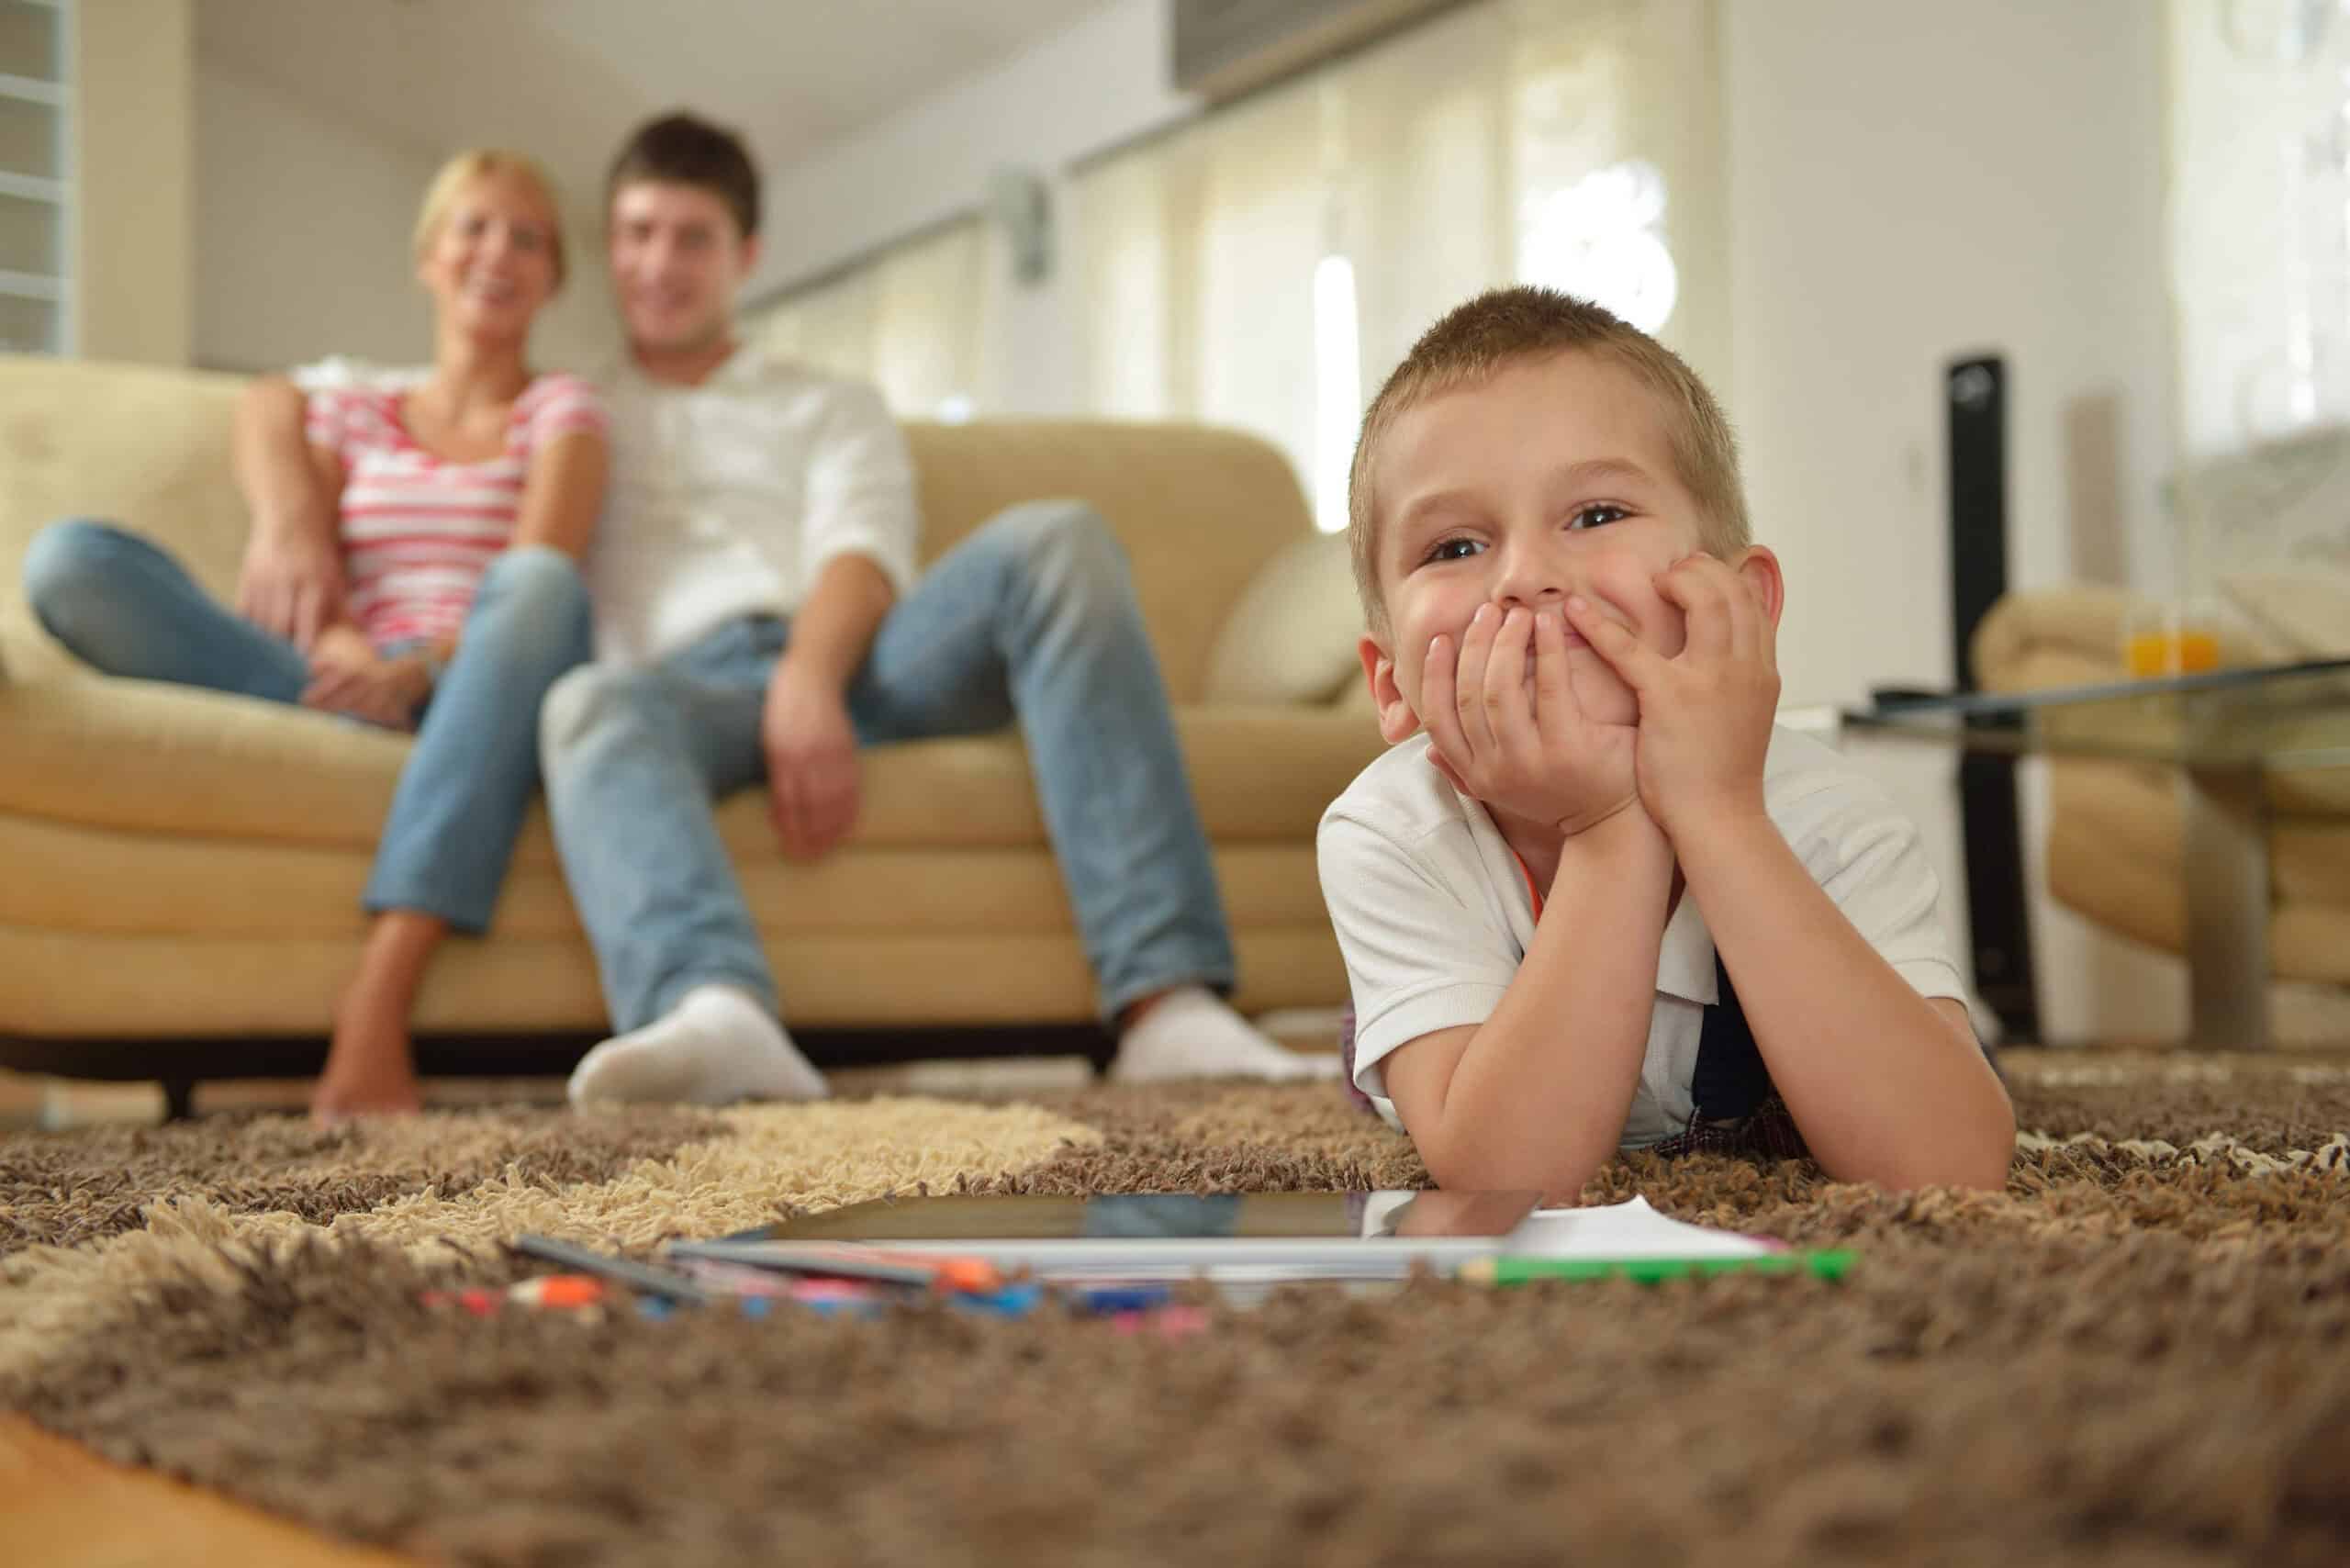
(565, 79)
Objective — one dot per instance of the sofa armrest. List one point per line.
(2041, 637)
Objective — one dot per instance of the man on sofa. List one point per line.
(759, 616)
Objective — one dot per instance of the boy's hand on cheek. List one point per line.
(1705, 713)
(1530, 753)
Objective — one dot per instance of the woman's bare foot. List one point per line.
(370, 1069)
(367, 1073)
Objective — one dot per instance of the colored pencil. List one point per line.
(626, 1271)
(1515, 1271)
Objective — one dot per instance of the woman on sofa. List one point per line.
(463, 504)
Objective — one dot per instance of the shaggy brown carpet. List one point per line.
(2139, 1353)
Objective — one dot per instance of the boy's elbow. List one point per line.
(1984, 1160)
(1989, 1166)
(1971, 1171)
(1465, 1165)
(1977, 1160)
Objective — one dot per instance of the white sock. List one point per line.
(716, 1045)
(1191, 1034)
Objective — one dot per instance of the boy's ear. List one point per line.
(1396, 720)
(1759, 570)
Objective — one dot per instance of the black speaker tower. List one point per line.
(1998, 917)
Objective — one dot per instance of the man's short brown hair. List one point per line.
(681, 149)
(1476, 342)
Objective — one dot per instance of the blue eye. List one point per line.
(1596, 515)
(1455, 550)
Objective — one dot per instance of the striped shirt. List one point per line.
(419, 531)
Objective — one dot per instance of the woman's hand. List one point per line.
(347, 676)
(291, 583)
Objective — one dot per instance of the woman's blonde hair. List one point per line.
(468, 166)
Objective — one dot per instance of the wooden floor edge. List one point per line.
(62, 1505)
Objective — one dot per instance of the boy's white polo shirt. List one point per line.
(1434, 915)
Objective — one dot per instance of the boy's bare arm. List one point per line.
(291, 581)
(1887, 1085)
(1535, 1098)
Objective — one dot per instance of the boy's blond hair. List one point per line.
(466, 167)
(1476, 342)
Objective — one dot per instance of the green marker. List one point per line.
(1829, 1265)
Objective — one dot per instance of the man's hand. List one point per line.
(1705, 713)
(349, 676)
(291, 582)
(812, 772)
(1532, 753)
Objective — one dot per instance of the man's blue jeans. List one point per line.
(125, 607)
(1031, 620)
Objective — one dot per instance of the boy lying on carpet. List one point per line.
(1593, 899)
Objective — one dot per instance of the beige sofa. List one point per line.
(181, 870)
(2115, 851)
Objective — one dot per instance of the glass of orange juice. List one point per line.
(2169, 639)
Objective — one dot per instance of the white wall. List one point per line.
(303, 218)
(1091, 87)
(132, 219)
(303, 223)
(1911, 182)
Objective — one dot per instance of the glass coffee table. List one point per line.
(2228, 733)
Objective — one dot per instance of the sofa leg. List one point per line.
(179, 1099)
(1102, 1049)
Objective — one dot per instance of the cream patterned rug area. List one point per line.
(2139, 1352)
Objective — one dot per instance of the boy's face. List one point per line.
(677, 260)
(1552, 478)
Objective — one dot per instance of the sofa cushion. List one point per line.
(1198, 510)
(66, 877)
(180, 991)
(2307, 609)
(1292, 635)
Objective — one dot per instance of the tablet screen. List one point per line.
(1166, 1216)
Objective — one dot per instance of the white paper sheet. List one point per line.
(1628, 1229)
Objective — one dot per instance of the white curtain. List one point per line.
(1575, 142)
(2259, 167)
(911, 323)
(2260, 177)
